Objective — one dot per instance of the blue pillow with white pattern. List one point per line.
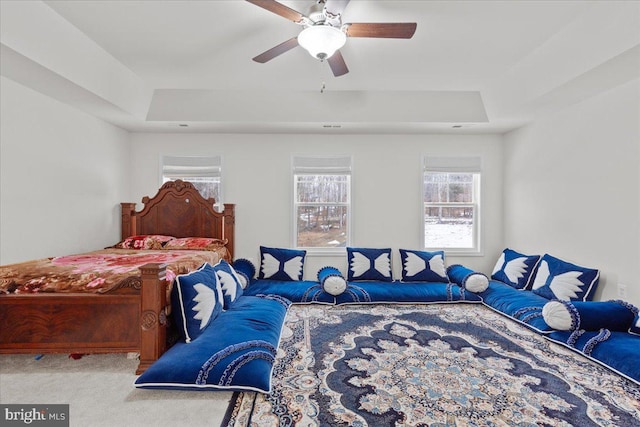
(230, 282)
(635, 326)
(515, 269)
(196, 299)
(422, 266)
(562, 280)
(369, 264)
(281, 264)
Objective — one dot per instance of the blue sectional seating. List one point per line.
(614, 348)
(600, 331)
(239, 355)
(235, 352)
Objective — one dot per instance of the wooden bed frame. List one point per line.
(131, 318)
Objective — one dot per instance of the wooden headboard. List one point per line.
(179, 210)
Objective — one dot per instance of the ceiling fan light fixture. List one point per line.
(322, 41)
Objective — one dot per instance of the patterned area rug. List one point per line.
(433, 365)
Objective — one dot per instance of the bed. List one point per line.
(129, 315)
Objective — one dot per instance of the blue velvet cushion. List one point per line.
(617, 350)
(196, 299)
(331, 280)
(236, 352)
(523, 306)
(246, 271)
(369, 264)
(421, 266)
(281, 264)
(374, 292)
(589, 315)
(558, 279)
(229, 281)
(299, 291)
(515, 269)
(467, 278)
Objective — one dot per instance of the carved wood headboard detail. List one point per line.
(179, 210)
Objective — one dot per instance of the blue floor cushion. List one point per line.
(298, 292)
(403, 293)
(523, 306)
(236, 352)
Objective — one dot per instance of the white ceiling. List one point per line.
(488, 65)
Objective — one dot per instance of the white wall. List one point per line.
(387, 174)
(63, 175)
(572, 187)
(571, 183)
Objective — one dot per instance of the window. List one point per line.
(321, 201)
(451, 196)
(203, 172)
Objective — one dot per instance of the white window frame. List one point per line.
(456, 165)
(191, 168)
(321, 165)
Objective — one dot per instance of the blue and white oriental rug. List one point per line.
(432, 365)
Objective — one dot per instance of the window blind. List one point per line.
(322, 165)
(452, 164)
(195, 166)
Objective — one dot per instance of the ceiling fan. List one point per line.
(324, 33)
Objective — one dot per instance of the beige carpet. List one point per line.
(100, 392)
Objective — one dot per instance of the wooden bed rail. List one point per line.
(153, 317)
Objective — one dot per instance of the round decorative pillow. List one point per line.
(331, 280)
(468, 279)
(560, 316)
(476, 282)
(246, 271)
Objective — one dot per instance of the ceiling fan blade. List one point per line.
(337, 64)
(277, 50)
(279, 9)
(335, 7)
(393, 30)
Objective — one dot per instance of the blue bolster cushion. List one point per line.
(589, 315)
(245, 269)
(468, 279)
(331, 280)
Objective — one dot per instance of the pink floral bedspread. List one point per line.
(97, 272)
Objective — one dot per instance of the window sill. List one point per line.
(460, 253)
(325, 252)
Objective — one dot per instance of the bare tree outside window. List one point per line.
(321, 209)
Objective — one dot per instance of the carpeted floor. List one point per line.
(99, 390)
(435, 365)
